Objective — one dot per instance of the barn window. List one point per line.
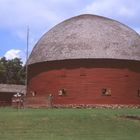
(62, 92)
(138, 92)
(33, 93)
(106, 92)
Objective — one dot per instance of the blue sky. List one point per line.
(41, 15)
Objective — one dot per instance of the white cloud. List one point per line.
(40, 15)
(15, 53)
(35, 13)
(126, 8)
(125, 11)
(17, 15)
(11, 54)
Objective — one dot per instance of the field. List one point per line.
(68, 124)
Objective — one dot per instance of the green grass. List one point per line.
(68, 124)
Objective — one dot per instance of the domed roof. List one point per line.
(87, 37)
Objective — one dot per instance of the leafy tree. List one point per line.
(12, 71)
(3, 62)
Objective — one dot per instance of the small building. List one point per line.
(7, 91)
(86, 59)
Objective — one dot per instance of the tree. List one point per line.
(12, 71)
(3, 62)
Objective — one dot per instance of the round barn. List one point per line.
(86, 60)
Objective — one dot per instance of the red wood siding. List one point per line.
(83, 81)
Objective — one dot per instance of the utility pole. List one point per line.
(27, 49)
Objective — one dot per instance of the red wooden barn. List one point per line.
(86, 59)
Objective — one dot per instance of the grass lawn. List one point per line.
(68, 124)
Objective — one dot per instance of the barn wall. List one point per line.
(83, 81)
